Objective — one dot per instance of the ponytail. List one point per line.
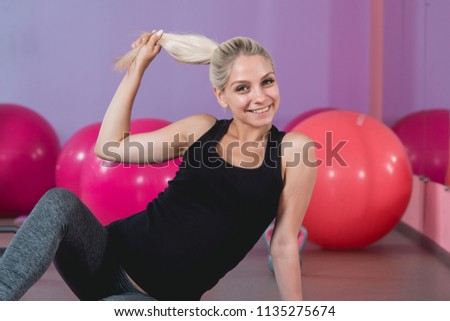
(197, 49)
(187, 49)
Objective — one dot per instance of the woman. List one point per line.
(236, 176)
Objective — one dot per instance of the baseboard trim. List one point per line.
(425, 242)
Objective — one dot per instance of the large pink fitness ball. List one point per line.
(425, 135)
(114, 190)
(29, 147)
(297, 120)
(364, 180)
(72, 157)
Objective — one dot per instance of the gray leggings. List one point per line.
(62, 228)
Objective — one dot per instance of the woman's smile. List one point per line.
(262, 110)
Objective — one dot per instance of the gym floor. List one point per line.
(395, 268)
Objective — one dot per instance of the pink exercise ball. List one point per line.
(447, 177)
(142, 125)
(364, 180)
(114, 191)
(72, 156)
(297, 120)
(425, 135)
(29, 147)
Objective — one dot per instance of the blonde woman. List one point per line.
(237, 175)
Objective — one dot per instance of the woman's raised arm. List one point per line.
(116, 122)
(113, 142)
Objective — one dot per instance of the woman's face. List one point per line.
(251, 92)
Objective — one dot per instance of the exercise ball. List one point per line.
(364, 180)
(297, 120)
(75, 150)
(425, 135)
(114, 191)
(142, 125)
(72, 156)
(447, 177)
(29, 147)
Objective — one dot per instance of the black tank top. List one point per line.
(203, 224)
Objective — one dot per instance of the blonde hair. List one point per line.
(197, 49)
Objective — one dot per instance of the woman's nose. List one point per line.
(258, 95)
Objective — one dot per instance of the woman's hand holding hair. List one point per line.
(187, 49)
(144, 50)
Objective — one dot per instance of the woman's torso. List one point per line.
(204, 223)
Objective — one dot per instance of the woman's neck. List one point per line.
(246, 133)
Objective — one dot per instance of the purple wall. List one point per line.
(438, 54)
(348, 74)
(56, 57)
(416, 56)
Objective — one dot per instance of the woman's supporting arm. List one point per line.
(299, 168)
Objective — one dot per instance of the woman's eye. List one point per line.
(268, 81)
(241, 88)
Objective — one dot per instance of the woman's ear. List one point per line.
(220, 97)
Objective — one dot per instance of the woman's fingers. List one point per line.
(143, 39)
(153, 39)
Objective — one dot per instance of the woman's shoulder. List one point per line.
(202, 120)
(296, 145)
(298, 154)
(296, 140)
(198, 124)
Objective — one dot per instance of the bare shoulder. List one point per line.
(298, 154)
(196, 125)
(202, 121)
(294, 142)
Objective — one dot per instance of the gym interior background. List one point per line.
(381, 66)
